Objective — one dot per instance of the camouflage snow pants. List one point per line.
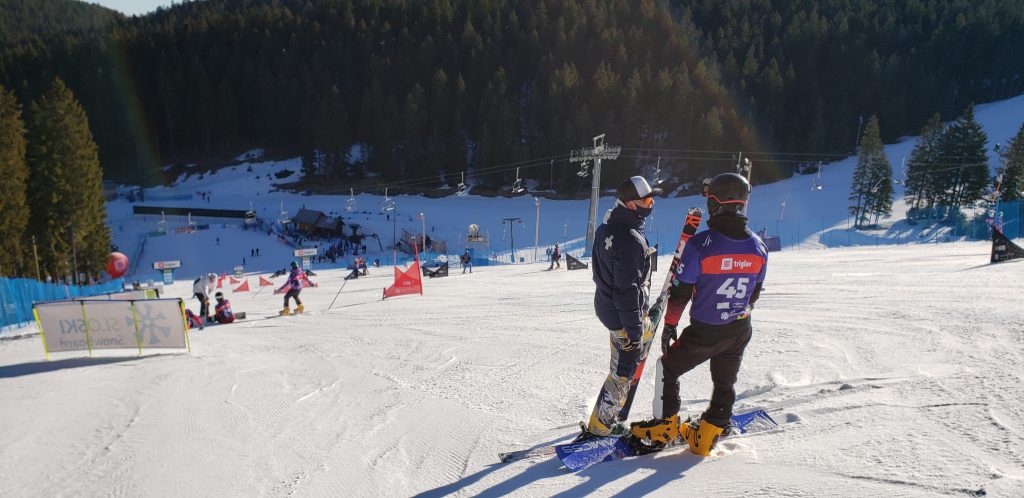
(625, 368)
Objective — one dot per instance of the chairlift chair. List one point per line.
(583, 172)
(517, 187)
(463, 188)
(350, 205)
(388, 204)
(250, 215)
(283, 218)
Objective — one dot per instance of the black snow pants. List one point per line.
(694, 347)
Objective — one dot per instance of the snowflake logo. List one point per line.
(147, 324)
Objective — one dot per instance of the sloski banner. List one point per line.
(89, 325)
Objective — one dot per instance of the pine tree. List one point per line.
(872, 179)
(963, 172)
(65, 196)
(1011, 188)
(12, 188)
(921, 184)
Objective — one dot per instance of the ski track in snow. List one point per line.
(891, 371)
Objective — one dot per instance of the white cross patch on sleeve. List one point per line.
(608, 242)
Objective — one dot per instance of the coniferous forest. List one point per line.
(434, 89)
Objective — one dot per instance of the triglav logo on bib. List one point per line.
(726, 263)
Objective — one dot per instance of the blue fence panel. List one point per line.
(18, 294)
(1009, 216)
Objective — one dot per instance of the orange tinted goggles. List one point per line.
(647, 202)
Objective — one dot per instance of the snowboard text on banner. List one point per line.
(572, 263)
(408, 281)
(1003, 249)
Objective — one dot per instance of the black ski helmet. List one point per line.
(295, 265)
(727, 193)
(219, 295)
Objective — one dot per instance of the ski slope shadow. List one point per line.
(542, 469)
(545, 469)
(667, 468)
(36, 367)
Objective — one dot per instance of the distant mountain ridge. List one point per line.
(24, 20)
(432, 91)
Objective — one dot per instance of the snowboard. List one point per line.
(581, 455)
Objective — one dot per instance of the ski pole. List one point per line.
(260, 290)
(336, 295)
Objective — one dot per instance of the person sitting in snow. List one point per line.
(193, 321)
(222, 311)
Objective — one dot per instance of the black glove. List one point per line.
(668, 336)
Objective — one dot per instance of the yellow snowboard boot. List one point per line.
(300, 309)
(701, 438)
(659, 431)
(285, 311)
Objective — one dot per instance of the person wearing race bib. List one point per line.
(720, 274)
(222, 311)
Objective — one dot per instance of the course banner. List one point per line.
(135, 294)
(124, 324)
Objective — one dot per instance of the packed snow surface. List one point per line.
(892, 363)
(893, 371)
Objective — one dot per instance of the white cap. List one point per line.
(636, 188)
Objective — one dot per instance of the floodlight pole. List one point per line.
(536, 229)
(423, 222)
(74, 257)
(512, 234)
(35, 255)
(596, 153)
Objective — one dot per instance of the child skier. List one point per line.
(193, 321)
(722, 271)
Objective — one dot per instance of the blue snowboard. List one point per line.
(578, 456)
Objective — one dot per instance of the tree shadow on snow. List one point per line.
(22, 369)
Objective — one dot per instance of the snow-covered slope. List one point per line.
(894, 371)
(811, 218)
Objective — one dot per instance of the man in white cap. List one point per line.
(622, 269)
(202, 287)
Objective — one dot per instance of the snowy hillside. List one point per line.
(894, 371)
(810, 218)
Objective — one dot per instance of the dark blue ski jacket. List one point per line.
(621, 270)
